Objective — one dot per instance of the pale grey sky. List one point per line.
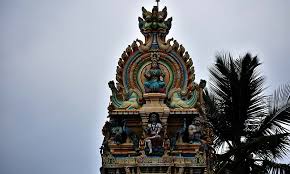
(56, 57)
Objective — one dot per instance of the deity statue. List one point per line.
(194, 133)
(154, 77)
(153, 130)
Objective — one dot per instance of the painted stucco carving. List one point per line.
(172, 72)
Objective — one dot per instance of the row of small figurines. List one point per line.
(153, 143)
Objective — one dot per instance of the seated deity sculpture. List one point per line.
(153, 130)
(154, 78)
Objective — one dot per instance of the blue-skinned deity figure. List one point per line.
(154, 79)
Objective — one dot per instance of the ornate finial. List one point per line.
(154, 21)
(158, 3)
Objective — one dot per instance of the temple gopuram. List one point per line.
(157, 118)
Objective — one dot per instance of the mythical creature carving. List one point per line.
(189, 98)
(131, 102)
(155, 15)
(120, 132)
(166, 46)
(154, 20)
(144, 47)
(178, 101)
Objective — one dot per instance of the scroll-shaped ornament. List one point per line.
(131, 103)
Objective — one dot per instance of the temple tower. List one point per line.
(157, 120)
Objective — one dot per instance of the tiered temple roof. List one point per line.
(156, 116)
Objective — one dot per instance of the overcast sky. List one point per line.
(56, 57)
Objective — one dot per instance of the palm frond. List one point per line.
(276, 168)
(255, 130)
(279, 112)
(270, 146)
(237, 87)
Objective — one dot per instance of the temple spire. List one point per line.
(157, 121)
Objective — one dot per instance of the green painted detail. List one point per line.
(177, 101)
(130, 104)
(154, 21)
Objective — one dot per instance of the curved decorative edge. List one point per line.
(131, 102)
(130, 50)
(145, 47)
(177, 58)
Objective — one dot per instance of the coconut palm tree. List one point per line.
(250, 127)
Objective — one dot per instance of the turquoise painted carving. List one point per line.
(178, 102)
(154, 77)
(131, 103)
